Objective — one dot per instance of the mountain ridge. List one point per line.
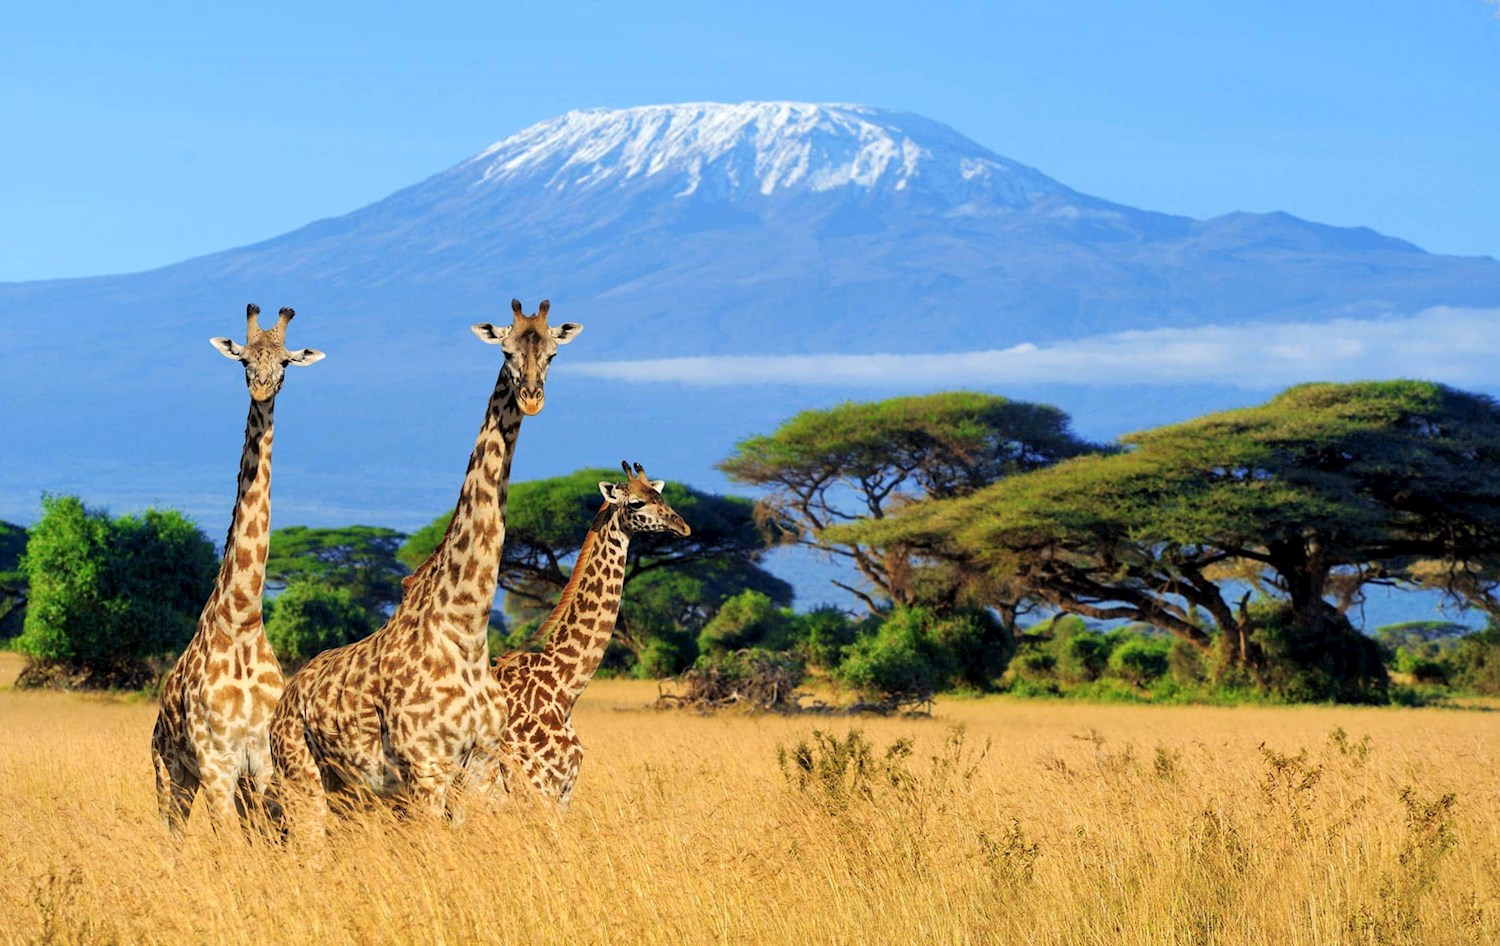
(115, 395)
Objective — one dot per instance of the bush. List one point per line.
(106, 596)
(749, 619)
(1082, 658)
(1427, 671)
(310, 618)
(664, 656)
(900, 662)
(976, 644)
(1185, 664)
(822, 634)
(761, 679)
(1334, 663)
(1140, 660)
(1034, 665)
(1476, 662)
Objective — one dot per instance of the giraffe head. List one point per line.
(264, 353)
(529, 344)
(641, 507)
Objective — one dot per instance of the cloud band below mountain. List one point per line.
(1457, 346)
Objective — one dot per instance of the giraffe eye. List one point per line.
(637, 503)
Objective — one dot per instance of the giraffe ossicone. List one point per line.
(399, 712)
(216, 701)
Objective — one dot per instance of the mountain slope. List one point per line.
(683, 230)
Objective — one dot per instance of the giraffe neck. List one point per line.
(584, 618)
(466, 564)
(242, 576)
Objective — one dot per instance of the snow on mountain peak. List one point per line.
(757, 147)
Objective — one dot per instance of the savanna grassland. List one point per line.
(1041, 822)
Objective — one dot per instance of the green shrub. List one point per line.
(1140, 660)
(1476, 662)
(749, 619)
(1186, 664)
(665, 656)
(1082, 658)
(822, 634)
(1334, 663)
(106, 596)
(1035, 665)
(976, 644)
(899, 661)
(1423, 670)
(310, 618)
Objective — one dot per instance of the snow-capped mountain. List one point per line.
(702, 231)
(764, 148)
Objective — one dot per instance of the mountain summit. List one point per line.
(764, 148)
(670, 231)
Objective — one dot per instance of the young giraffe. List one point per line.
(399, 712)
(540, 688)
(216, 701)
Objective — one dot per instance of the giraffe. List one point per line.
(540, 688)
(397, 713)
(216, 701)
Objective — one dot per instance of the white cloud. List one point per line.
(1457, 346)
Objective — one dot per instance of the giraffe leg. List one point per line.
(428, 788)
(258, 809)
(176, 784)
(299, 784)
(571, 757)
(219, 776)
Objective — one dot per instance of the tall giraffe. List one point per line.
(541, 687)
(398, 712)
(217, 699)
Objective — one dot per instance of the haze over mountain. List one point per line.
(730, 235)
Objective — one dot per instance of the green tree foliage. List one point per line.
(863, 460)
(822, 634)
(1140, 660)
(749, 619)
(309, 618)
(1420, 648)
(673, 585)
(12, 581)
(902, 661)
(1476, 662)
(107, 594)
(1325, 485)
(361, 559)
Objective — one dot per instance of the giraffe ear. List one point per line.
(490, 334)
(610, 491)
(227, 348)
(565, 332)
(305, 357)
(658, 484)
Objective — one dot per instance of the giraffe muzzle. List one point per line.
(530, 401)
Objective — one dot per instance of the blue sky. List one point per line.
(138, 137)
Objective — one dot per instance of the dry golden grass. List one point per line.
(1082, 824)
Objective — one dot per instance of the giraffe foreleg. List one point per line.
(428, 785)
(219, 776)
(176, 783)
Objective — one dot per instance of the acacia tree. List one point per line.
(547, 519)
(862, 461)
(361, 559)
(1323, 485)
